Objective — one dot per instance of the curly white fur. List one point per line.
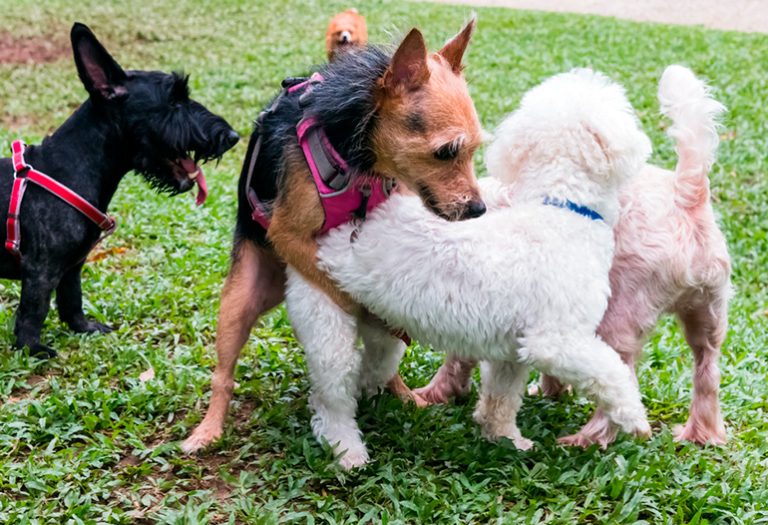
(523, 285)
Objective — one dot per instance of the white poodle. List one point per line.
(524, 285)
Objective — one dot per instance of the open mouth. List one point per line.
(187, 172)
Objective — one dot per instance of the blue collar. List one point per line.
(576, 208)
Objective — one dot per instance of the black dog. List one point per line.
(132, 120)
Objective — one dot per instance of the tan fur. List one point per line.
(254, 285)
(430, 86)
(293, 228)
(448, 115)
(350, 21)
(413, 84)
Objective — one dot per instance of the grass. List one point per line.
(83, 440)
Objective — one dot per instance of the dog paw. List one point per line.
(89, 327)
(40, 351)
(522, 443)
(586, 440)
(432, 395)
(700, 434)
(201, 437)
(353, 458)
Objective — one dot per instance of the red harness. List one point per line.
(22, 173)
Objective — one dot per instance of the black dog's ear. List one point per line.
(100, 74)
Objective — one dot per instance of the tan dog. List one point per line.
(346, 30)
(406, 117)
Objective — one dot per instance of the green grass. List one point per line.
(83, 440)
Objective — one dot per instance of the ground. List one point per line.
(89, 437)
(740, 15)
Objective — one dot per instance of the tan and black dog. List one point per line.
(405, 117)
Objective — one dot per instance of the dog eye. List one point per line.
(447, 152)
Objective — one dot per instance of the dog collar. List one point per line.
(572, 206)
(23, 173)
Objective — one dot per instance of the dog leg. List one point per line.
(548, 386)
(705, 328)
(382, 353)
(622, 336)
(453, 379)
(501, 396)
(69, 300)
(255, 284)
(329, 335)
(36, 290)
(594, 368)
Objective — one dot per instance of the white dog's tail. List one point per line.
(687, 101)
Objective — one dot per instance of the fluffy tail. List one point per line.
(686, 100)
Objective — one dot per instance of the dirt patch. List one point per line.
(31, 50)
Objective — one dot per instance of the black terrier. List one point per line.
(132, 120)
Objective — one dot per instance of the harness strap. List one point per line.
(23, 173)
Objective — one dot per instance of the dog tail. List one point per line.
(687, 101)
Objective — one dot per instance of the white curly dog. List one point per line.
(524, 285)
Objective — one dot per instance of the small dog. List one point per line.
(670, 257)
(346, 30)
(132, 120)
(523, 286)
(405, 118)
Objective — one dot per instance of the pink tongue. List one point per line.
(189, 165)
(202, 188)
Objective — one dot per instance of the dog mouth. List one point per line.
(430, 201)
(188, 173)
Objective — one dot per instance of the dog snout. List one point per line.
(225, 141)
(231, 139)
(345, 37)
(474, 209)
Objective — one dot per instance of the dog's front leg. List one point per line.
(69, 300)
(329, 335)
(501, 396)
(36, 289)
(255, 284)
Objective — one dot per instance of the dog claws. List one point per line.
(90, 327)
(41, 351)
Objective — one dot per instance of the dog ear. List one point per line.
(101, 75)
(408, 68)
(453, 51)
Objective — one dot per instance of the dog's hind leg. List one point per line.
(69, 300)
(255, 284)
(36, 290)
(501, 396)
(452, 380)
(382, 353)
(705, 327)
(594, 368)
(329, 335)
(626, 338)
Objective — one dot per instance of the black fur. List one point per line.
(135, 120)
(343, 104)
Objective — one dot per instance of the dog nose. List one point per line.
(345, 37)
(474, 210)
(231, 138)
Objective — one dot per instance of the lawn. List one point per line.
(84, 440)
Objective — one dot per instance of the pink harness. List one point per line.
(344, 195)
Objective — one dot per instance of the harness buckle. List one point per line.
(13, 247)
